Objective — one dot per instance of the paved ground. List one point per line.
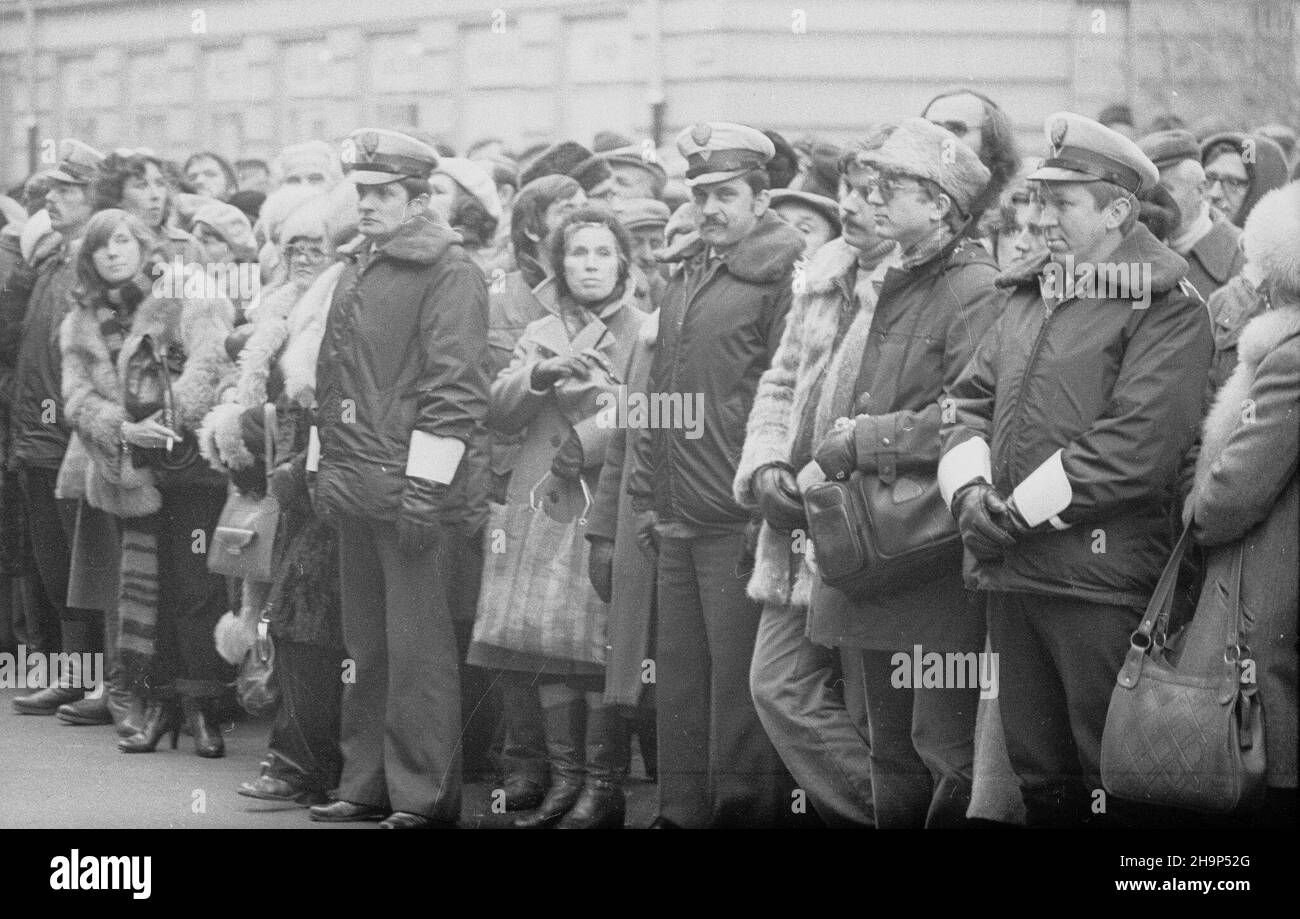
(56, 776)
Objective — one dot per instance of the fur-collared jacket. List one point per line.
(1246, 494)
(782, 399)
(93, 392)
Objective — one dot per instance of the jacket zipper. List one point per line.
(1024, 379)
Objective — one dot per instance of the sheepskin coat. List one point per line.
(1246, 493)
(93, 392)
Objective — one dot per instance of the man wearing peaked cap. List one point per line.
(1062, 443)
(1206, 238)
(722, 316)
(401, 402)
(634, 175)
(375, 156)
(37, 447)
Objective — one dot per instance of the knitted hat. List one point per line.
(472, 177)
(924, 150)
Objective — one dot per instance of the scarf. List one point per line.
(138, 599)
(1183, 242)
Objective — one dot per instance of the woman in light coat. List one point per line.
(561, 378)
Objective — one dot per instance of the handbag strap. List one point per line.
(586, 497)
(269, 437)
(1158, 609)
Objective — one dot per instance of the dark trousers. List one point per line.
(304, 747)
(480, 704)
(922, 745)
(190, 598)
(523, 748)
(50, 526)
(717, 766)
(401, 716)
(1058, 659)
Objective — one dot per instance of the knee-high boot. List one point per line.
(602, 804)
(565, 745)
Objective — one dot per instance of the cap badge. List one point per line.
(701, 133)
(1058, 129)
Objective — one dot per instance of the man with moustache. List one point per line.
(722, 317)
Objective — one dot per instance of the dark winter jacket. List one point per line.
(719, 326)
(1215, 259)
(1085, 414)
(405, 350)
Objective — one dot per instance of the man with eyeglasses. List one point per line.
(979, 123)
(1205, 237)
(1063, 443)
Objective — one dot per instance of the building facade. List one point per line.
(244, 79)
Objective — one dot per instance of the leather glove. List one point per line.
(250, 480)
(838, 452)
(778, 496)
(418, 529)
(568, 461)
(600, 566)
(977, 507)
(1011, 520)
(547, 373)
(289, 482)
(646, 536)
(252, 428)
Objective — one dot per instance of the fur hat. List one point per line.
(926, 151)
(230, 223)
(476, 181)
(332, 215)
(1271, 238)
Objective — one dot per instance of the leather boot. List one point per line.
(162, 716)
(47, 701)
(125, 706)
(564, 748)
(201, 716)
(90, 710)
(602, 805)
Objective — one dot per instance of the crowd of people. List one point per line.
(488, 565)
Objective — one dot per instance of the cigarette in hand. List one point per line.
(169, 445)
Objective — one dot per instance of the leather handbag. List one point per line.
(243, 543)
(256, 686)
(881, 532)
(1189, 737)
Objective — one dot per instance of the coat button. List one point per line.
(555, 440)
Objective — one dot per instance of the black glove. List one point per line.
(778, 496)
(1014, 522)
(418, 528)
(568, 461)
(289, 482)
(600, 566)
(838, 453)
(646, 536)
(252, 427)
(250, 480)
(977, 507)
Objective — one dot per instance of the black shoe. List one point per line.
(161, 717)
(566, 750)
(601, 806)
(201, 718)
(401, 820)
(346, 812)
(269, 788)
(523, 793)
(661, 823)
(47, 701)
(87, 711)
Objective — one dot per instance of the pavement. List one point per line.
(57, 776)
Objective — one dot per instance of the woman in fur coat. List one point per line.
(1246, 493)
(277, 354)
(139, 374)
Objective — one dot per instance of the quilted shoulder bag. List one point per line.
(1176, 737)
(243, 544)
(881, 532)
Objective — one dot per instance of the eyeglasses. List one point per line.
(1230, 183)
(889, 185)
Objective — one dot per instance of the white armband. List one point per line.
(1044, 493)
(433, 457)
(964, 462)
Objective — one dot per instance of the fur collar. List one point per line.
(764, 256)
(1168, 268)
(1258, 339)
